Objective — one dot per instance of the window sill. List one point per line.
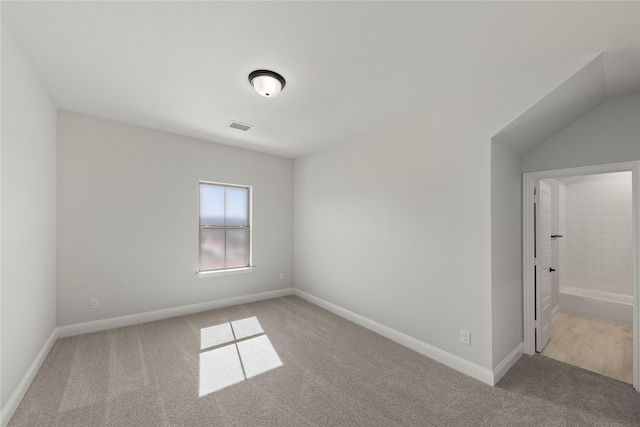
(216, 273)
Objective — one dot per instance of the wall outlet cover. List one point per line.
(465, 337)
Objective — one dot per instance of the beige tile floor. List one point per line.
(601, 347)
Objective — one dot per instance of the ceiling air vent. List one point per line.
(240, 126)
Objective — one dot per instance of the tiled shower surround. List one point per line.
(597, 241)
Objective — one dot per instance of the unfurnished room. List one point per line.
(319, 213)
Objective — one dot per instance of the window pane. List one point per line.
(211, 204)
(236, 206)
(237, 247)
(212, 246)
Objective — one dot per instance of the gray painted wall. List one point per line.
(28, 216)
(396, 226)
(506, 251)
(128, 218)
(609, 133)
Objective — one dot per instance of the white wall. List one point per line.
(396, 225)
(128, 218)
(609, 133)
(506, 250)
(28, 216)
(562, 230)
(599, 238)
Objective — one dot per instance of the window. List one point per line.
(225, 227)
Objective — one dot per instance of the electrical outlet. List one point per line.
(465, 337)
(93, 303)
(281, 276)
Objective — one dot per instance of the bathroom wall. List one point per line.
(561, 243)
(598, 238)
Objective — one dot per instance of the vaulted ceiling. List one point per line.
(605, 77)
(351, 67)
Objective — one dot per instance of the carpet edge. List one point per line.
(464, 366)
(166, 313)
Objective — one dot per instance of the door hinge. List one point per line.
(537, 324)
(536, 198)
(535, 262)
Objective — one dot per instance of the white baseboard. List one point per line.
(117, 322)
(451, 360)
(150, 316)
(507, 363)
(15, 399)
(473, 370)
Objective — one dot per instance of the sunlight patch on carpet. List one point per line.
(241, 359)
(258, 356)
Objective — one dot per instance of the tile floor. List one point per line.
(601, 347)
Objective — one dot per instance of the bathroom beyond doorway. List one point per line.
(602, 347)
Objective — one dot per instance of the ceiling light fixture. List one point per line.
(267, 83)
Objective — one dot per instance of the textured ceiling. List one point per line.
(351, 67)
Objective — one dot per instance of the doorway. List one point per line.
(572, 271)
(591, 286)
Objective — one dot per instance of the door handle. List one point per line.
(556, 236)
(551, 270)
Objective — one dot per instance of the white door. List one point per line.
(543, 266)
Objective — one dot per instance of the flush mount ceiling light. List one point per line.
(266, 83)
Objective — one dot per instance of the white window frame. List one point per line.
(234, 270)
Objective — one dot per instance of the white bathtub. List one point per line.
(597, 305)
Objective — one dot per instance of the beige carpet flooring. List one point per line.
(332, 373)
(605, 348)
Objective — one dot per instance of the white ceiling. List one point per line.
(607, 76)
(351, 67)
